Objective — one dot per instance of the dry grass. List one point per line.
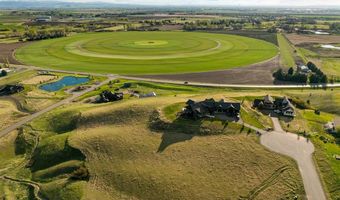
(124, 160)
(320, 39)
(9, 114)
(39, 79)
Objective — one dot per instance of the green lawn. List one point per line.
(331, 66)
(286, 50)
(147, 52)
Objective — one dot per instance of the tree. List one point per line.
(3, 73)
(314, 78)
(324, 79)
(291, 71)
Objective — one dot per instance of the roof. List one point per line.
(211, 105)
(268, 99)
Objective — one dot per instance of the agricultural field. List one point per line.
(147, 52)
(311, 47)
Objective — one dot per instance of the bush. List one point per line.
(3, 73)
(64, 122)
(32, 34)
(290, 76)
(80, 174)
(301, 104)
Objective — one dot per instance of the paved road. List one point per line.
(335, 85)
(300, 149)
(60, 103)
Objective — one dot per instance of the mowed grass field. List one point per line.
(146, 52)
(287, 52)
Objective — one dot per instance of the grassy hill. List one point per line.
(139, 149)
(129, 157)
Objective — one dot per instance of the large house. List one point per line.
(210, 108)
(281, 106)
(108, 96)
(10, 89)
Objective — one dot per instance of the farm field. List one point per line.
(319, 39)
(147, 52)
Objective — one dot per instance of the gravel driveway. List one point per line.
(301, 150)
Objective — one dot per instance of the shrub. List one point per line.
(64, 122)
(301, 104)
(3, 73)
(80, 174)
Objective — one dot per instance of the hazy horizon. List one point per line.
(290, 3)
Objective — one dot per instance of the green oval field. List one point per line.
(146, 52)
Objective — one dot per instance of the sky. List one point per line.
(225, 2)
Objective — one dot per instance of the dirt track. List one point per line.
(259, 74)
(7, 50)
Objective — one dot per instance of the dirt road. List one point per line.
(60, 103)
(300, 149)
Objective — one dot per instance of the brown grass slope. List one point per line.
(127, 160)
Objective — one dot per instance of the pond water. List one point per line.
(328, 46)
(64, 82)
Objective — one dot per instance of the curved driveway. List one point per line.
(301, 150)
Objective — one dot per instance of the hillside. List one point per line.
(129, 157)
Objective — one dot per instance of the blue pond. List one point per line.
(64, 82)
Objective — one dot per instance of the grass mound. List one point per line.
(54, 150)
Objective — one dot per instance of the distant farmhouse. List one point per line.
(108, 96)
(210, 108)
(303, 69)
(330, 127)
(43, 19)
(281, 106)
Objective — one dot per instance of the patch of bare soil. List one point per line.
(319, 39)
(7, 51)
(259, 74)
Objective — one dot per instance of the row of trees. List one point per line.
(318, 76)
(33, 34)
(290, 76)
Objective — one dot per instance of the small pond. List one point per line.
(328, 46)
(64, 82)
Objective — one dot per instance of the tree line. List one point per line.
(33, 34)
(316, 77)
(290, 76)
